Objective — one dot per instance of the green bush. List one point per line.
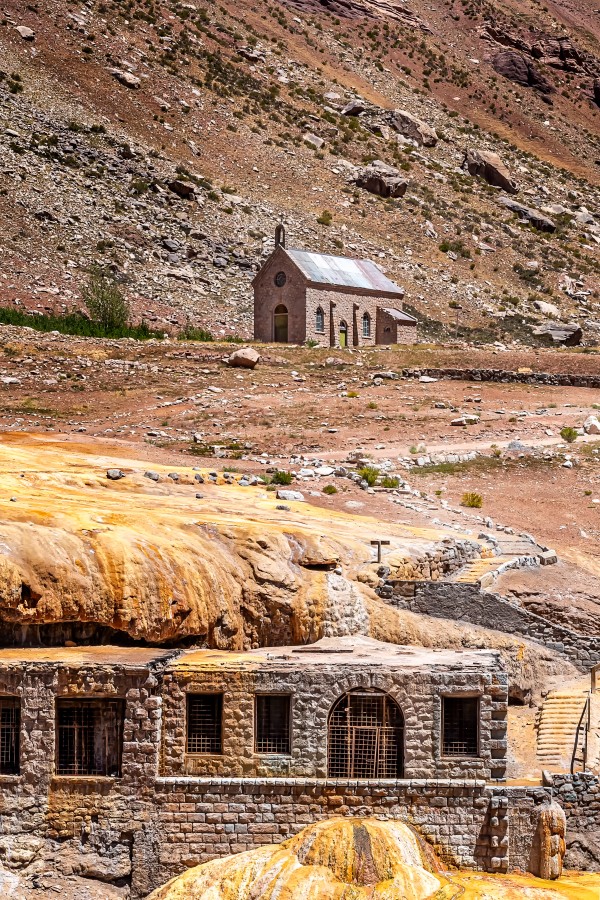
(105, 302)
(282, 478)
(568, 434)
(190, 333)
(369, 474)
(390, 481)
(472, 500)
(330, 489)
(326, 218)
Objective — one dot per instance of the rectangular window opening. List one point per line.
(10, 729)
(89, 738)
(273, 723)
(204, 723)
(460, 726)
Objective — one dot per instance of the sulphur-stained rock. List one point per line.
(149, 559)
(335, 856)
(488, 165)
(355, 859)
(548, 849)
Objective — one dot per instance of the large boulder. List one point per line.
(591, 425)
(354, 108)
(413, 128)
(382, 180)
(549, 310)
(28, 34)
(569, 334)
(126, 78)
(488, 165)
(527, 214)
(184, 189)
(244, 358)
(517, 68)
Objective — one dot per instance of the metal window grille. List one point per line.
(366, 737)
(460, 717)
(320, 320)
(272, 724)
(204, 723)
(89, 737)
(366, 325)
(10, 728)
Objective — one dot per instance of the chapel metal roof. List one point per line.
(341, 271)
(399, 315)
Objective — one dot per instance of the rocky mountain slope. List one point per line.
(166, 139)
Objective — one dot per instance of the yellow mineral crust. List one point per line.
(152, 560)
(359, 859)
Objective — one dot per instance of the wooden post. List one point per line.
(379, 544)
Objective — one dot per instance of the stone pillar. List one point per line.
(548, 847)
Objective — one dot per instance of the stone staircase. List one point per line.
(558, 720)
(477, 569)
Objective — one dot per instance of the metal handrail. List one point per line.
(585, 713)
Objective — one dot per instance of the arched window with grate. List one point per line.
(366, 325)
(319, 320)
(365, 736)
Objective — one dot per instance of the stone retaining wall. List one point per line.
(200, 819)
(468, 603)
(507, 377)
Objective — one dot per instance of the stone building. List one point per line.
(130, 764)
(332, 300)
(341, 708)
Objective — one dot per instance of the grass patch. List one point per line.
(190, 333)
(74, 323)
(472, 500)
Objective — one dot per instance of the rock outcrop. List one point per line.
(488, 165)
(517, 68)
(382, 180)
(415, 129)
(527, 214)
(570, 334)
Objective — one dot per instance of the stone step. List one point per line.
(557, 729)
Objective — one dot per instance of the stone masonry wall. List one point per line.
(87, 825)
(468, 603)
(390, 331)
(143, 827)
(267, 296)
(338, 306)
(313, 693)
(204, 818)
(507, 377)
